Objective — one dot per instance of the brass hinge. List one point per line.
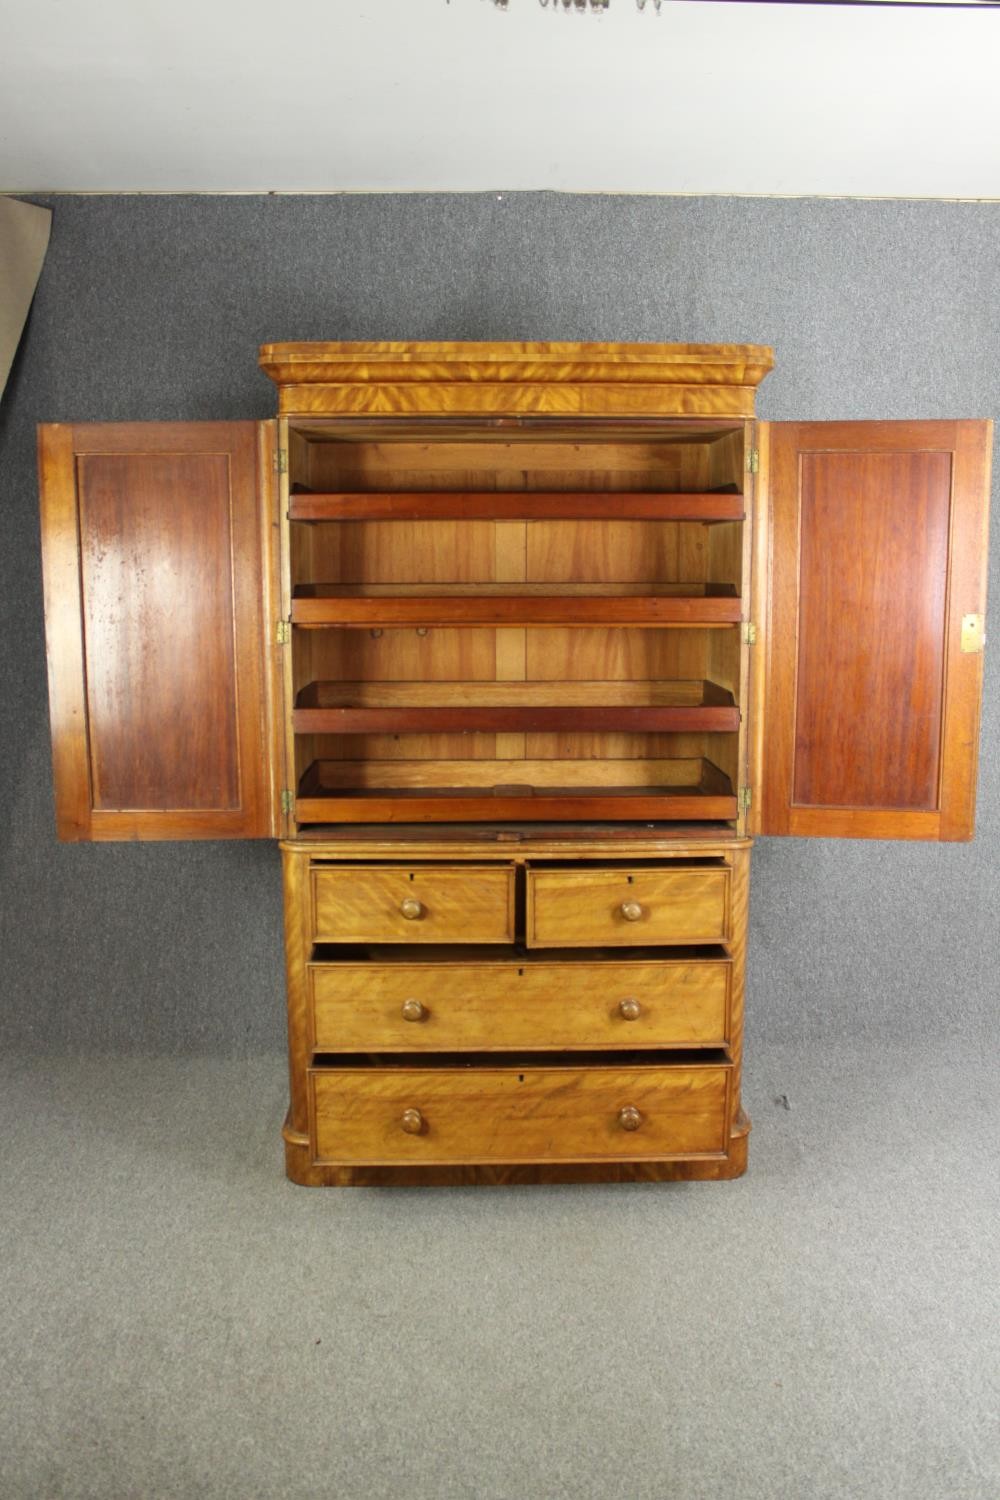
(282, 633)
(281, 460)
(753, 461)
(749, 633)
(746, 797)
(973, 638)
(287, 800)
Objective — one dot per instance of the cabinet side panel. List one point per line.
(64, 632)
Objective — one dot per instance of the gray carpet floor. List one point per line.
(177, 1320)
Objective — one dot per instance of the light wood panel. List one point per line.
(487, 773)
(493, 379)
(518, 362)
(420, 904)
(454, 1004)
(628, 552)
(534, 1113)
(617, 654)
(421, 457)
(588, 907)
(401, 655)
(298, 916)
(401, 552)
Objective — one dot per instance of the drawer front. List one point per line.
(593, 908)
(486, 1114)
(443, 1008)
(417, 904)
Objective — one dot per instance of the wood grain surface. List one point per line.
(531, 1113)
(519, 1002)
(581, 908)
(876, 552)
(531, 505)
(159, 579)
(512, 378)
(419, 904)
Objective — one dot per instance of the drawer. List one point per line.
(594, 907)
(438, 1007)
(417, 1115)
(413, 904)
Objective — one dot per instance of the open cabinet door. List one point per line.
(160, 559)
(870, 588)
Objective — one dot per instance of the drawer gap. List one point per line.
(457, 954)
(703, 1057)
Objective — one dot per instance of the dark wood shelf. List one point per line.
(323, 797)
(501, 708)
(528, 505)
(497, 605)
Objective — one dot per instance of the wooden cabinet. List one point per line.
(515, 646)
(391, 1042)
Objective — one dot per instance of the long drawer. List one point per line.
(494, 1003)
(483, 1113)
(676, 903)
(413, 904)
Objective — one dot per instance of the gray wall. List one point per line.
(154, 307)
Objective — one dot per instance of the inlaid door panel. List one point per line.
(871, 667)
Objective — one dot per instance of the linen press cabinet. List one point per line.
(515, 647)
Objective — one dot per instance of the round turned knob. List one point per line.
(629, 1118)
(414, 1011)
(412, 1121)
(411, 908)
(631, 911)
(629, 1010)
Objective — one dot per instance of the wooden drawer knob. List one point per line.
(414, 1011)
(412, 1121)
(629, 1118)
(631, 911)
(630, 1010)
(411, 908)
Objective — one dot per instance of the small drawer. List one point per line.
(419, 1115)
(413, 904)
(496, 1005)
(674, 903)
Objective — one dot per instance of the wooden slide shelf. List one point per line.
(317, 605)
(556, 505)
(500, 708)
(327, 795)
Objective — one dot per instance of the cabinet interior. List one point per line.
(541, 621)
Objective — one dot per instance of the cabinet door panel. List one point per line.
(875, 552)
(160, 579)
